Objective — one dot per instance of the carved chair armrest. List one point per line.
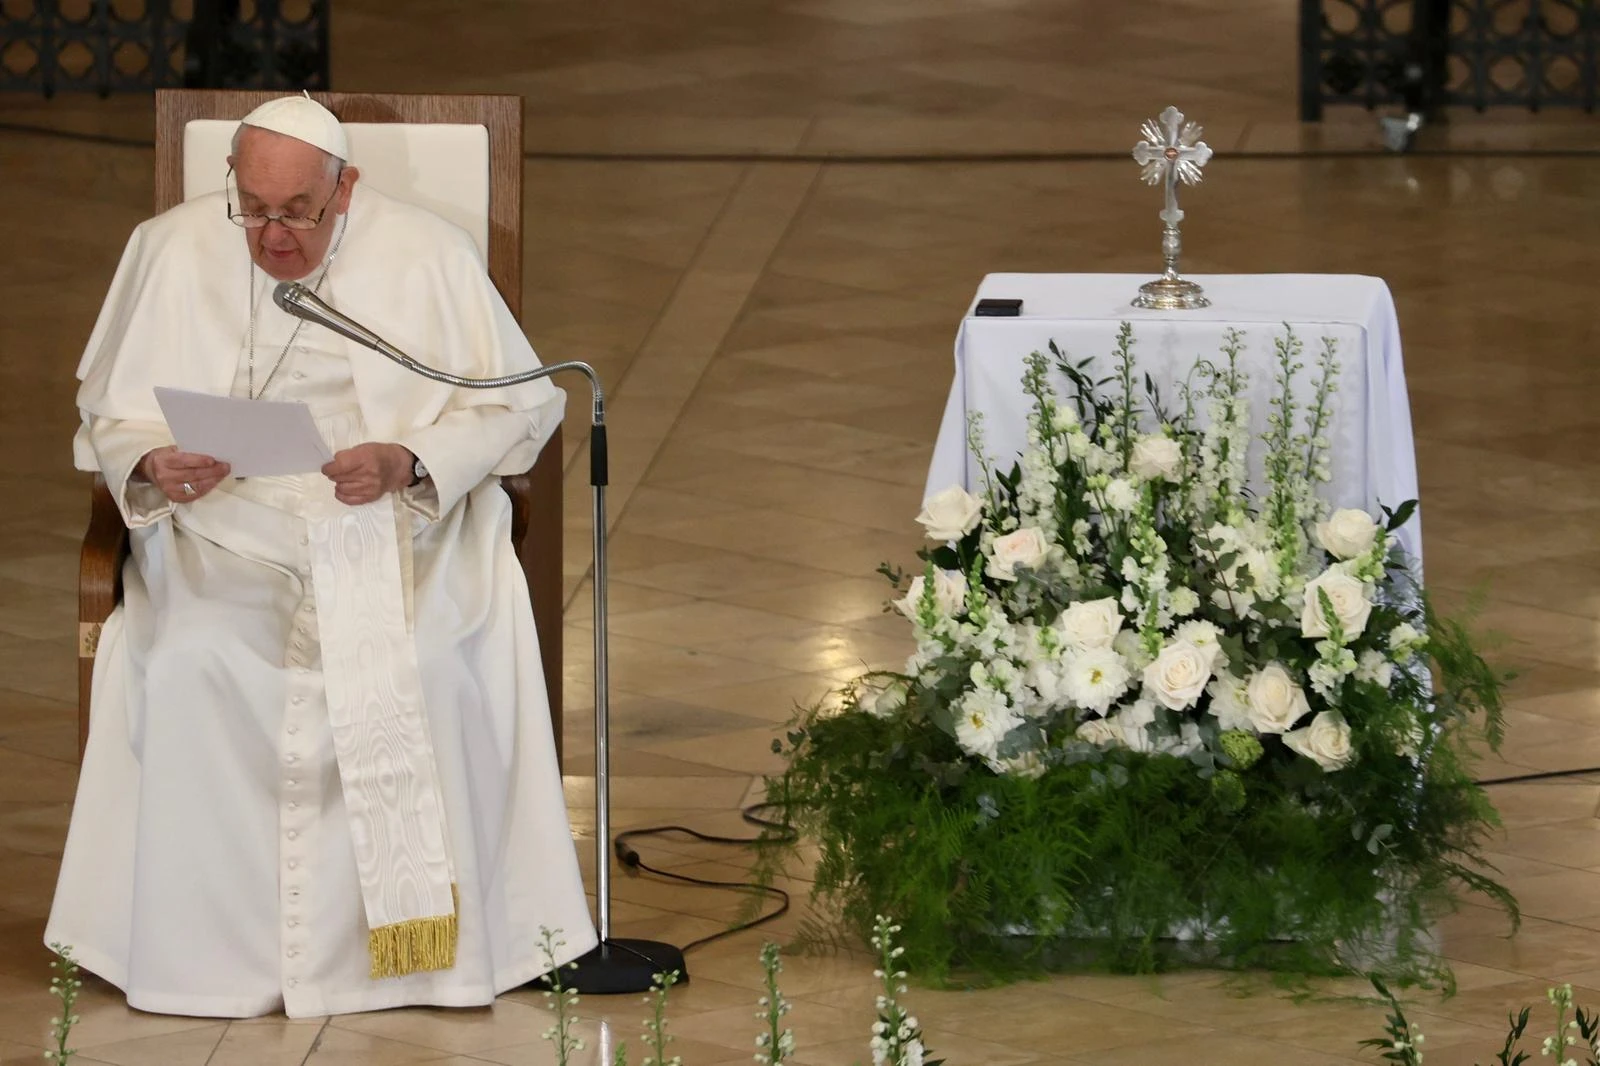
(105, 548)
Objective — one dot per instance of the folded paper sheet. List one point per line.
(257, 438)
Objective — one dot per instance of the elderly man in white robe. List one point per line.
(320, 775)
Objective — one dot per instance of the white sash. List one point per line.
(381, 737)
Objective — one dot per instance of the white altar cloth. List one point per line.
(1372, 456)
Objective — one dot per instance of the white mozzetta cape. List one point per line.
(215, 864)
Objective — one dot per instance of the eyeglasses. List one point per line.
(301, 222)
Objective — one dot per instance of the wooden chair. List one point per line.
(535, 495)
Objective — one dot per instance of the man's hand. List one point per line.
(183, 477)
(366, 472)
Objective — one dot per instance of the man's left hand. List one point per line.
(368, 471)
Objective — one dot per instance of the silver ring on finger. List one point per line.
(188, 489)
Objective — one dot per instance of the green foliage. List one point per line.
(1138, 863)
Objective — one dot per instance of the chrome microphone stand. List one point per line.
(617, 964)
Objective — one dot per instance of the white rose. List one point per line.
(1028, 765)
(1120, 495)
(1156, 457)
(1326, 741)
(949, 594)
(1348, 533)
(1101, 732)
(1229, 703)
(1348, 596)
(950, 514)
(1090, 623)
(1025, 548)
(1178, 675)
(1276, 702)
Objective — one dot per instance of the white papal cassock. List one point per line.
(212, 866)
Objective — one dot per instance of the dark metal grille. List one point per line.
(111, 46)
(1448, 53)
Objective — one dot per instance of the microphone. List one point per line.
(301, 302)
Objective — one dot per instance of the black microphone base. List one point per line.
(620, 965)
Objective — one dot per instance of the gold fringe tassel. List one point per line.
(416, 945)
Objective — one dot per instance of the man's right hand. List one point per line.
(182, 476)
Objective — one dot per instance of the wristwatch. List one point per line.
(418, 472)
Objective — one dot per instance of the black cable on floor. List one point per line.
(629, 857)
(1545, 775)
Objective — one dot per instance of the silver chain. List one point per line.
(250, 383)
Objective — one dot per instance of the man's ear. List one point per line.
(347, 183)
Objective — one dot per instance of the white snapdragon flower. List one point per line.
(1081, 545)
(950, 514)
(1404, 640)
(1375, 668)
(1063, 419)
(1128, 645)
(1095, 678)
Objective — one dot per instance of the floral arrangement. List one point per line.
(1161, 690)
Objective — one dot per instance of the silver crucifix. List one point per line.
(1171, 152)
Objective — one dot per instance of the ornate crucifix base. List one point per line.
(1170, 294)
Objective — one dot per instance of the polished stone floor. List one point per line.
(762, 221)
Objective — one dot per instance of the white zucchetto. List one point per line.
(303, 119)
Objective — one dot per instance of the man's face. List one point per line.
(278, 175)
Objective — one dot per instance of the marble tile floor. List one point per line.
(716, 222)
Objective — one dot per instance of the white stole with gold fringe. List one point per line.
(359, 564)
